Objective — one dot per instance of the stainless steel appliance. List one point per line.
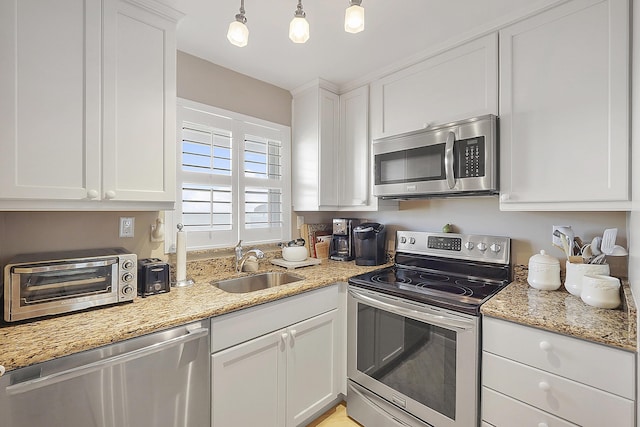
(161, 379)
(41, 284)
(370, 239)
(455, 159)
(414, 330)
(342, 246)
(153, 277)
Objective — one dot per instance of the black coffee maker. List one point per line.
(370, 243)
(342, 247)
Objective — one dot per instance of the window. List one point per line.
(233, 178)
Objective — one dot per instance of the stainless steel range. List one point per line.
(414, 330)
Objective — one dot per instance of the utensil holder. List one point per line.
(575, 273)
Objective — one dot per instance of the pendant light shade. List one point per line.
(354, 17)
(299, 27)
(238, 33)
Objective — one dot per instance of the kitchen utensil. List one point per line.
(618, 251)
(295, 253)
(600, 291)
(575, 273)
(595, 245)
(544, 272)
(599, 259)
(608, 240)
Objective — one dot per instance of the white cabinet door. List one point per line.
(315, 138)
(50, 102)
(139, 104)
(457, 84)
(353, 153)
(88, 106)
(248, 387)
(312, 366)
(564, 106)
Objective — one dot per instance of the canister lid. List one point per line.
(543, 258)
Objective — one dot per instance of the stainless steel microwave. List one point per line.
(454, 159)
(42, 284)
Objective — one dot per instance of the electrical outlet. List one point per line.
(126, 226)
(555, 240)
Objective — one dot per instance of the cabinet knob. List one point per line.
(293, 333)
(110, 194)
(544, 386)
(284, 337)
(545, 345)
(92, 194)
(504, 197)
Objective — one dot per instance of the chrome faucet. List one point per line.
(241, 258)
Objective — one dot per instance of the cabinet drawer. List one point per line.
(240, 326)
(503, 411)
(597, 365)
(575, 402)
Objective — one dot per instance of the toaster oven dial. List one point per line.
(127, 277)
(127, 290)
(127, 264)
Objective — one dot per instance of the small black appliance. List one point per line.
(370, 243)
(153, 277)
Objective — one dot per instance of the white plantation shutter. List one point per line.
(233, 178)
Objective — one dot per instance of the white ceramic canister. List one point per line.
(544, 272)
(601, 291)
(575, 273)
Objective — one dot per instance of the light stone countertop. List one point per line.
(559, 311)
(37, 341)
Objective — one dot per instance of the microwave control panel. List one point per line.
(470, 157)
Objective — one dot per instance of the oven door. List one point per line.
(419, 358)
(43, 289)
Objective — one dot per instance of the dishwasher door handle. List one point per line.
(57, 377)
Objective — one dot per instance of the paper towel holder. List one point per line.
(181, 275)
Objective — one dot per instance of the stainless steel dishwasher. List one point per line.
(157, 380)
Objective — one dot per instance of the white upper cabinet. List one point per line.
(564, 109)
(331, 166)
(87, 116)
(457, 84)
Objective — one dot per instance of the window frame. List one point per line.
(240, 126)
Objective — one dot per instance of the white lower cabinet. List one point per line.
(542, 379)
(284, 377)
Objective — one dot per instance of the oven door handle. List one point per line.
(63, 267)
(443, 321)
(448, 160)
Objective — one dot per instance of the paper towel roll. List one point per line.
(181, 255)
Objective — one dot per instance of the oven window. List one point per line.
(414, 165)
(45, 286)
(414, 358)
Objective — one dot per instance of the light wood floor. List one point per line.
(335, 417)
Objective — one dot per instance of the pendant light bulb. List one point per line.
(238, 33)
(354, 17)
(299, 26)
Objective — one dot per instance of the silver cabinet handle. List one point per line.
(105, 363)
(435, 319)
(448, 160)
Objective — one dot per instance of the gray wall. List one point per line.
(211, 84)
(530, 231)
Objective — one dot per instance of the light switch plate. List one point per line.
(126, 226)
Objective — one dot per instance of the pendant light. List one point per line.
(354, 17)
(299, 27)
(238, 33)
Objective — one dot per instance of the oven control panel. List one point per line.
(460, 246)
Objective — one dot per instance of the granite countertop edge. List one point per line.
(561, 312)
(26, 343)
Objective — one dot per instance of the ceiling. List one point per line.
(394, 32)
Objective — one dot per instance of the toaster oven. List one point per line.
(43, 284)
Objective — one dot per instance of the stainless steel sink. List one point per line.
(256, 282)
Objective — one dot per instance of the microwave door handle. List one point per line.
(448, 160)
